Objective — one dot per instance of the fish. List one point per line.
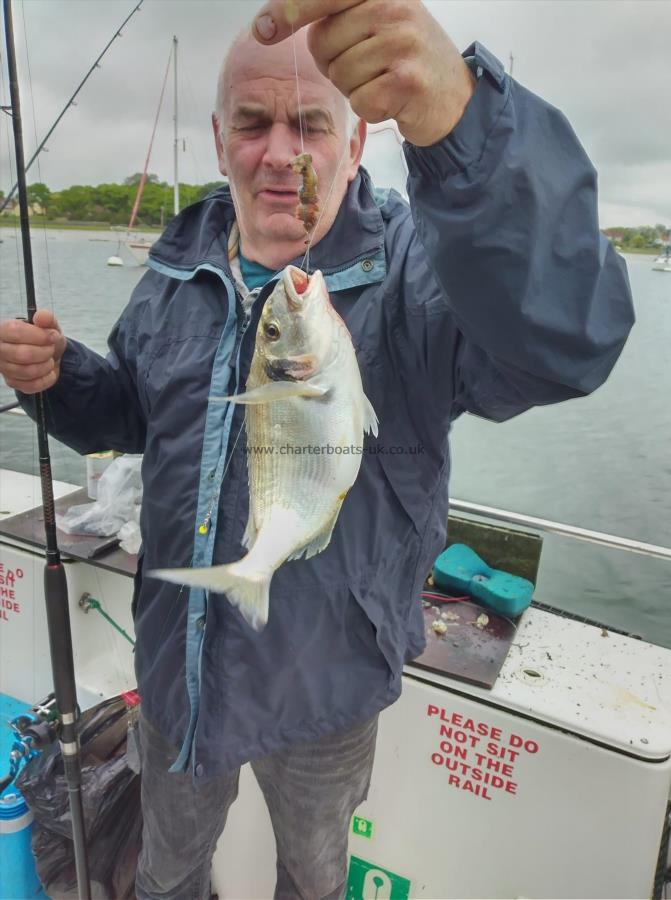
(306, 414)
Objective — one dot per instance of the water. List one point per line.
(602, 462)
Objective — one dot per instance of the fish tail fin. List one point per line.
(249, 591)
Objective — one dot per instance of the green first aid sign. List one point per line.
(368, 881)
(362, 827)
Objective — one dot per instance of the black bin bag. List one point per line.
(111, 800)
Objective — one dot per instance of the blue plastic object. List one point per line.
(18, 876)
(459, 569)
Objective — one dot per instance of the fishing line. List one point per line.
(235, 442)
(47, 400)
(305, 264)
(19, 279)
(298, 89)
(205, 525)
(208, 514)
(15, 313)
(306, 259)
(39, 169)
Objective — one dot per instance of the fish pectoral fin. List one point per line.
(249, 591)
(275, 390)
(321, 541)
(370, 419)
(249, 536)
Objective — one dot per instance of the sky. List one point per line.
(605, 63)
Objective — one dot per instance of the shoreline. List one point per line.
(116, 230)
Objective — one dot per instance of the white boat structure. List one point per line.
(553, 782)
(138, 245)
(140, 248)
(662, 263)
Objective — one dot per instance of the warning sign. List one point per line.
(9, 605)
(368, 881)
(477, 757)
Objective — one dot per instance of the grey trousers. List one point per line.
(317, 784)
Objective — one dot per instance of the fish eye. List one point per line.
(271, 331)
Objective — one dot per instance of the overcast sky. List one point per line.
(605, 63)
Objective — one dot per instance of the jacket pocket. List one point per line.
(386, 626)
(405, 478)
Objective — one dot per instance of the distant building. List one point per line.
(34, 209)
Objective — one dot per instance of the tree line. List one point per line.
(112, 203)
(647, 237)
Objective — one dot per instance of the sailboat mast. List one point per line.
(176, 190)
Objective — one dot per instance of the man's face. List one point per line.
(261, 134)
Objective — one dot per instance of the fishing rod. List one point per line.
(55, 583)
(70, 102)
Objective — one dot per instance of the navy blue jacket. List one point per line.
(492, 292)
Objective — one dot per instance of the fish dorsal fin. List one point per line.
(273, 391)
(370, 420)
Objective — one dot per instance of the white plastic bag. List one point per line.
(119, 493)
(129, 537)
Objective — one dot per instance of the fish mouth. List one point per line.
(293, 368)
(296, 284)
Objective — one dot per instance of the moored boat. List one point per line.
(547, 778)
(139, 246)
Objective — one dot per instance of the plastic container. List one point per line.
(460, 569)
(96, 463)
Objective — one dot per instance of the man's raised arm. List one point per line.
(506, 209)
(503, 198)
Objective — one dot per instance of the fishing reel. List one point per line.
(33, 731)
(39, 725)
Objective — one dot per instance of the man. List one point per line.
(493, 293)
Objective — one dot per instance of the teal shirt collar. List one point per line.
(253, 274)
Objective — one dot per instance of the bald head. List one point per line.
(264, 118)
(248, 59)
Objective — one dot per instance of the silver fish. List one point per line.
(306, 416)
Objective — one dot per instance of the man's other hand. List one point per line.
(390, 57)
(30, 355)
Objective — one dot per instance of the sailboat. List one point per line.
(663, 261)
(139, 247)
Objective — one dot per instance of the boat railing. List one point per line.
(545, 526)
